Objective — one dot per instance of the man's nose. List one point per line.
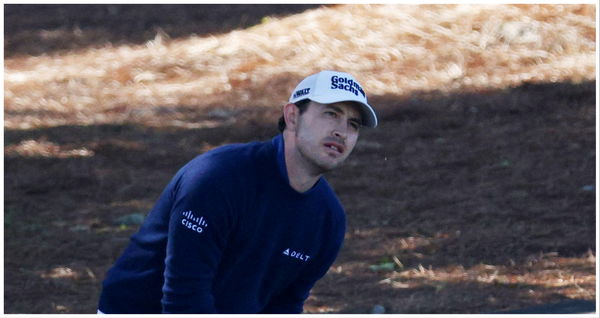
(340, 131)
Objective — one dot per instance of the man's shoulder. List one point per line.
(227, 162)
(236, 154)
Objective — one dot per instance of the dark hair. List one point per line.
(302, 106)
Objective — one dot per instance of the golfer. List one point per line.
(247, 228)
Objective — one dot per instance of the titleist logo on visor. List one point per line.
(301, 92)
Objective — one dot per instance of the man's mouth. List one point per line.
(335, 146)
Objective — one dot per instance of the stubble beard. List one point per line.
(315, 165)
(311, 159)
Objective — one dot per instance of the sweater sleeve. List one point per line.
(199, 225)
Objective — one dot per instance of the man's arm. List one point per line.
(198, 228)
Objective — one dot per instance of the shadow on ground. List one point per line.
(565, 307)
(35, 29)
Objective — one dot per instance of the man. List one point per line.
(248, 228)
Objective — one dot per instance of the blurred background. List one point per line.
(476, 193)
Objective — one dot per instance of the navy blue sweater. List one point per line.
(229, 235)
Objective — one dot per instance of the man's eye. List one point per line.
(331, 114)
(354, 125)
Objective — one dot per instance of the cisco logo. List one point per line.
(190, 221)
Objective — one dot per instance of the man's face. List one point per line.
(327, 133)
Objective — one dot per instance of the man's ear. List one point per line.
(290, 115)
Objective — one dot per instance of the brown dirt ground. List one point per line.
(481, 201)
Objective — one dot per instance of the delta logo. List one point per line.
(294, 254)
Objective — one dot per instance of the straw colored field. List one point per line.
(395, 49)
(475, 194)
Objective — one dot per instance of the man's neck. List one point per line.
(300, 176)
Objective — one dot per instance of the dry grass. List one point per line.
(44, 148)
(543, 270)
(393, 49)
